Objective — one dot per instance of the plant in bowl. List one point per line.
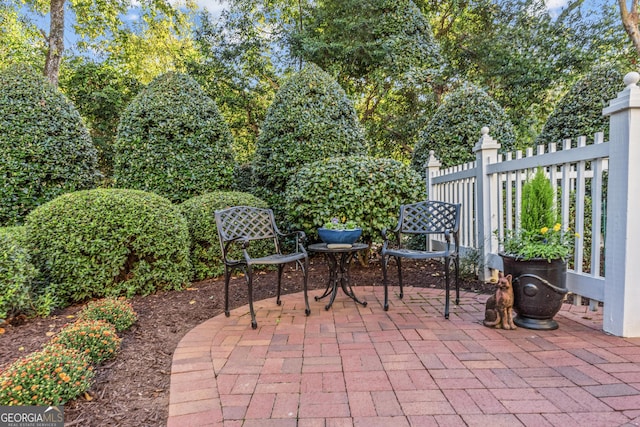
(336, 232)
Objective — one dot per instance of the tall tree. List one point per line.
(93, 20)
(20, 41)
(630, 21)
(383, 53)
(522, 56)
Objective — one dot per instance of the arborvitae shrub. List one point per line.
(109, 242)
(362, 189)
(200, 215)
(173, 141)
(45, 148)
(455, 127)
(310, 119)
(579, 112)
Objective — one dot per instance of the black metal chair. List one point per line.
(240, 225)
(424, 218)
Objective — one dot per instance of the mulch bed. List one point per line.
(133, 388)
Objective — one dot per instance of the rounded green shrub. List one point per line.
(455, 127)
(45, 148)
(16, 273)
(579, 112)
(51, 376)
(362, 189)
(200, 215)
(117, 312)
(109, 242)
(173, 141)
(95, 339)
(310, 119)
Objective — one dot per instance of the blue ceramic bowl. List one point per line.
(339, 236)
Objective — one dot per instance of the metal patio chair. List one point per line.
(238, 227)
(424, 218)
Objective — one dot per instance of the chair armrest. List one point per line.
(243, 241)
(299, 233)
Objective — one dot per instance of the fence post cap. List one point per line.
(630, 79)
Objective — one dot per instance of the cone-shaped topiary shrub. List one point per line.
(109, 242)
(579, 112)
(173, 141)
(455, 127)
(205, 247)
(310, 119)
(45, 149)
(357, 188)
(51, 376)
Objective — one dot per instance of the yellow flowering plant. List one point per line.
(547, 243)
(540, 235)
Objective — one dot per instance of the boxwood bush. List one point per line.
(109, 242)
(454, 129)
(173, 141)
(363, 189)
(311, 119)
(200, 215)
(45, 149)
(17, 273)
(579, 112)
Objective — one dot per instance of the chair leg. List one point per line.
(457, 266)
(227, 278)
(385, 282)
(249, 275)
(305, 272)
(280, 268)
(446, 296)
(399, 262)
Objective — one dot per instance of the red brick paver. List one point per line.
(362, 366)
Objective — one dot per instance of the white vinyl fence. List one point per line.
(598, 185)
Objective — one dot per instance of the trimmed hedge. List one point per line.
(310, 119)
(109, 242)
(45, 148)
(362, 189)
(579, 112)
(454, 129)
(16, 273)
(173, 141)
(199, 212)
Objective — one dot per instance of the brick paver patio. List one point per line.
(362, 366)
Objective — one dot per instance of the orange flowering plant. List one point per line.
(118, 312)
(49, 377)
(96, 339)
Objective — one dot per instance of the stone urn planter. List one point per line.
(539, 289)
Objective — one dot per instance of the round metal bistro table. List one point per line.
(339, 262)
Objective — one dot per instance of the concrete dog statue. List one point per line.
(499, 308)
